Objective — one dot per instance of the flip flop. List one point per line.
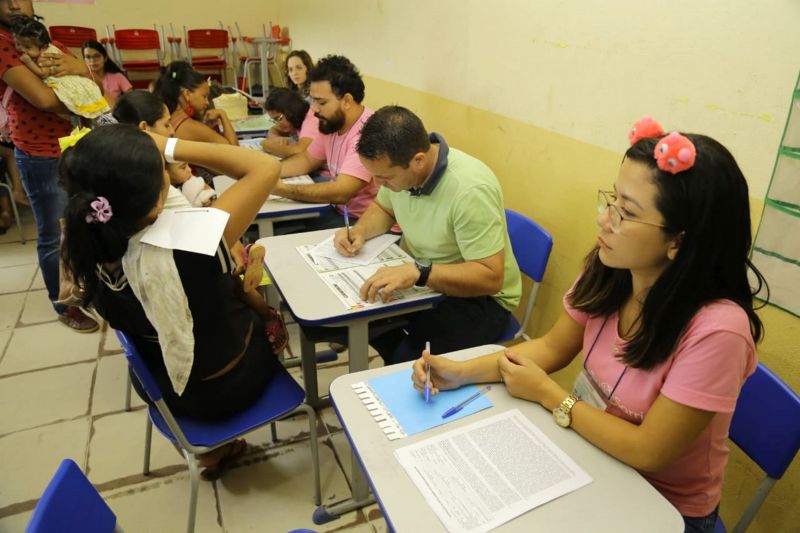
(235, 451)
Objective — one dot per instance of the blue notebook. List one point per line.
(400, 410)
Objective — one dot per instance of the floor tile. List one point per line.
(10, 308)
(46, 345)
(116, 449)
(38, 308)
(30, 458)
(110, 386)
(162, 505)
(14, 254)
(4, 336)
(16, 278)
(28, 227)
(38, 281)
(275, 493)
(110, 342)
(375, 517)
(15, 522)
(47, 396)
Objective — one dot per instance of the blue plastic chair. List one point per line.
(766, 426)
(532, 245)
(70, 504)
(282, 398)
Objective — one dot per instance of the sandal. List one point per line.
(275, 328)
(254, 265)
(236, 449)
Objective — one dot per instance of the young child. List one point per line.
(80, 95)
(201, 195)
(193, 188)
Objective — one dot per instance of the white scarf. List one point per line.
(154, 279)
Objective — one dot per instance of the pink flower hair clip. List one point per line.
(99, 211)
(673, 153)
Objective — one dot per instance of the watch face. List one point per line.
(562, 418)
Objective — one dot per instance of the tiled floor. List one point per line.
(62, 394)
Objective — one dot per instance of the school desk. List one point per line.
(617, 500)
(275, 210)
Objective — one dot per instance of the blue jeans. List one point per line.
(39, 176)
(701, 524)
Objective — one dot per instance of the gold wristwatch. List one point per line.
(562, 413)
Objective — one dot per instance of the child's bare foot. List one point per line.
(255, 267)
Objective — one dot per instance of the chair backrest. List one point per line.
(207, 38)
(137, 39)
(70, 504)
(766, 422)
(531, 244)
(73, 36)
(139, 367)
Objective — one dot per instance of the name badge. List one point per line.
(585, 389)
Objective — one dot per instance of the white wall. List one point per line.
(587, 69)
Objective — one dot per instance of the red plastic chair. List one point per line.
(140, 40)
(72, 36)
(208, 39)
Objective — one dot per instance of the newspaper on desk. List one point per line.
(480, 476)
(345, 275)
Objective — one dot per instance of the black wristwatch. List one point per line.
(424, 266)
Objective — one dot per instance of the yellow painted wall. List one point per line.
(544, 92)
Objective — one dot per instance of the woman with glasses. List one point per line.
(295, 125)
(663, 314)
(113, 80)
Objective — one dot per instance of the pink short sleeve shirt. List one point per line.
(706, 371)
(339, 152)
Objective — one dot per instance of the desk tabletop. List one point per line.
(253, 124)
(311, 301)
(617, 500)
(275, 207)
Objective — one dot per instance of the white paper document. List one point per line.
(345, 279)
(366, 255)
(196, 230)
(480, 476)
(223, 183)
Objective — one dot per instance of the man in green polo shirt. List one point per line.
(450, 208)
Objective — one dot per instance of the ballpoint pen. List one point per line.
(456, 408)
(347, 223)
(428, 375)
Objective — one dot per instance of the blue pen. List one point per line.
(456, 408)
(347, 223)
(428, 375)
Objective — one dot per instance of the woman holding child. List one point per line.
(35, 126)
(663, 313)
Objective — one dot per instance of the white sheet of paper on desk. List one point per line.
(371, 250)
(196, 230)
(252, 144)
(480, 476)
(345, 279)
(305, 179)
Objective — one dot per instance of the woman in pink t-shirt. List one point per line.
(115, 84)
(663, 313)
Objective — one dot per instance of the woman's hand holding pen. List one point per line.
(445, 373)
(525, 379)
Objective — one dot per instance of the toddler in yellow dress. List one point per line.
(80, 95)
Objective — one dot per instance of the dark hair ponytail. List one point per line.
(121, 164)
(178, 75)
(134, 107)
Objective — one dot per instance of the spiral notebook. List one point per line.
(400, 410)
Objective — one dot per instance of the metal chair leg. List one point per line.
(273, 432)
(128, 394)
(194, 480)
(148, 437)
(312, 427)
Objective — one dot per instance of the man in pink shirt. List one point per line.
(337, 91)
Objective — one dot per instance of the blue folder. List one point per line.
(408, 406)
